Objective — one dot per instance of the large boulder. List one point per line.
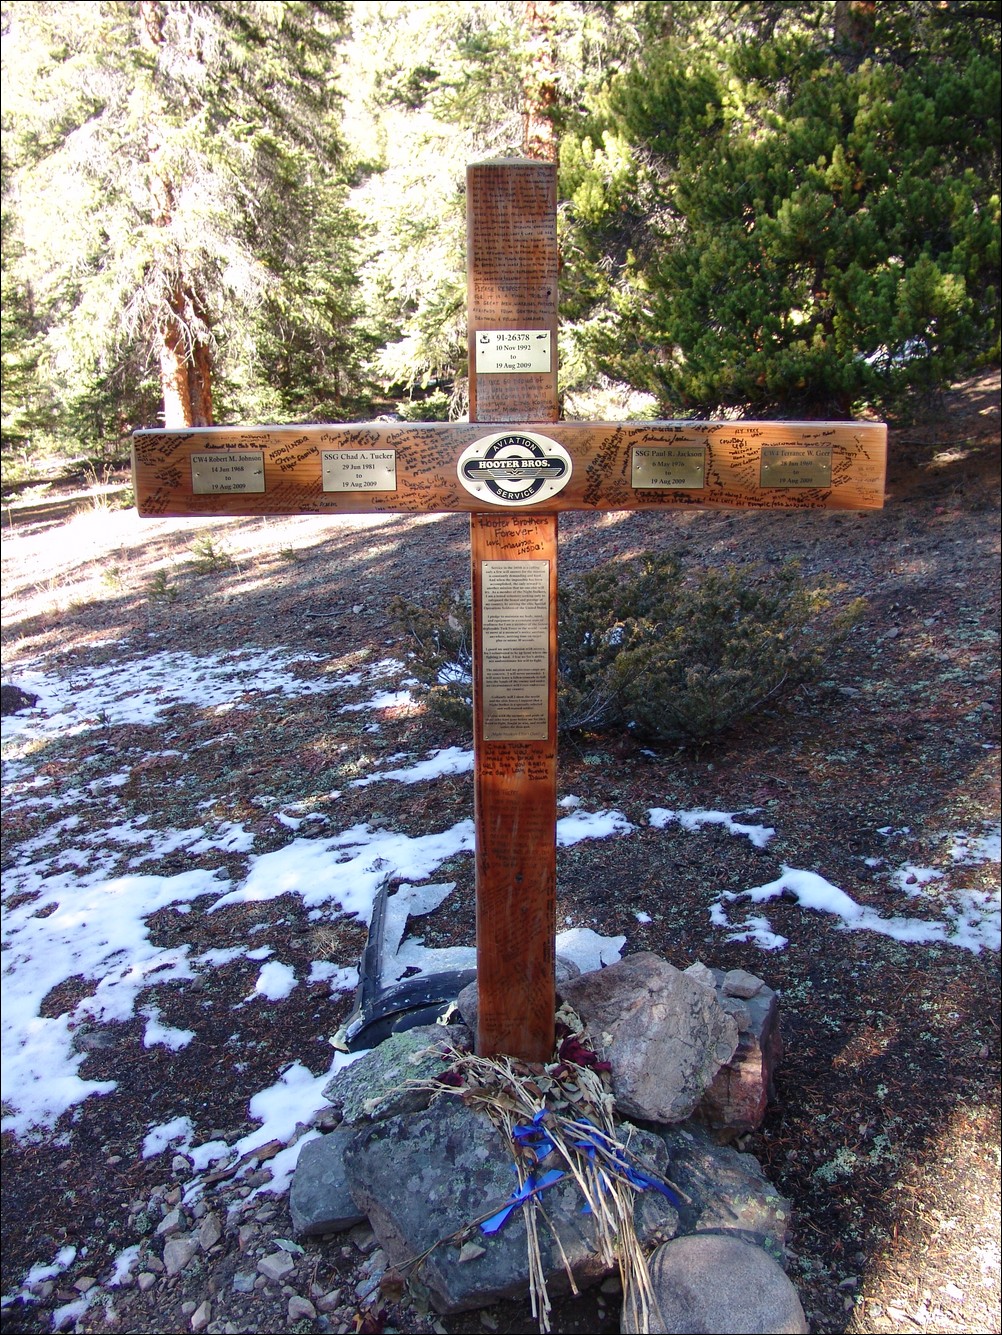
(425, 1178)
(663, 1031)
(712, 1285)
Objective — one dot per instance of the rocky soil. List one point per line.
(885, 1130)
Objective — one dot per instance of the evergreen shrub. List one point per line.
(644, 645)
(434, 408)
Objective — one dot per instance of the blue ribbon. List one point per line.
(535, 1138)
(528, 1188)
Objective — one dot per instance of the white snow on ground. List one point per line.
(109, 696)
(590, 825)
(77, 919)
(695, 820)
(975, 917)
(72, 916)
(446, 760)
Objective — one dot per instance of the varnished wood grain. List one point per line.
(427, 480)
(512, 284)
(516, 795)
(511, 280)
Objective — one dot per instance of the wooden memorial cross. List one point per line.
(513, 467)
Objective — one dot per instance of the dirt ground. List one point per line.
(885, 1131)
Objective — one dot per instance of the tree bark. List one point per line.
(852, 29)
(181, 331)
(185, 366)
(539, 138)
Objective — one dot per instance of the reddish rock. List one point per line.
(737, 1097)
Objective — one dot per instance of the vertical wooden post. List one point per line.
(512, 291)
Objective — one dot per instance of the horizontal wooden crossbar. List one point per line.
(404, 468)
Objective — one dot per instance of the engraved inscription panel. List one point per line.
(760, 465)
(227, 471)
(359, 470)
(513, 351)
(512, 263)
(804, 466)
(675, 467)
(515, 606)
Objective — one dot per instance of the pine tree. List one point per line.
(160, 151)
(794, 225)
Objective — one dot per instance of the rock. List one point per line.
(243, 1282)
(739, 1093)
(467, 1001)
(145, 1280)
(276, 1265)
(728, 1192)
(719, 1286)
(178, 1251)
(739, 983)
(702, 974)
(174, 1221)
(422, 1177)
(374, 1086)
(363, 1238)
(210, 1230)
(301, 1307)
(201, 1316)
(664, 1032)
(319, 1201)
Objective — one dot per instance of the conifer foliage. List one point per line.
(792, 209)
(252, 210)
(169, 164)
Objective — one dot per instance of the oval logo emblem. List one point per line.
(514, 468)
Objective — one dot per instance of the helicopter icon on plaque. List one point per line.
(513, 352)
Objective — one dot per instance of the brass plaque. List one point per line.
(515, 606)
(796, 466)
(668, 467)
(359, 470)
(227, 470)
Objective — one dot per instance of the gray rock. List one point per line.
(319, 1200)
(178, 1251)
(201, 1316)
(727, 1191)
(663, 1031)
(422, 1178)
(740, 983)
(276, 1265)
(376, 1086)
(713, 1285)
(174, 1221)
(468, 1000)
(702, 974)
(210, 1230)
(736, 1099)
